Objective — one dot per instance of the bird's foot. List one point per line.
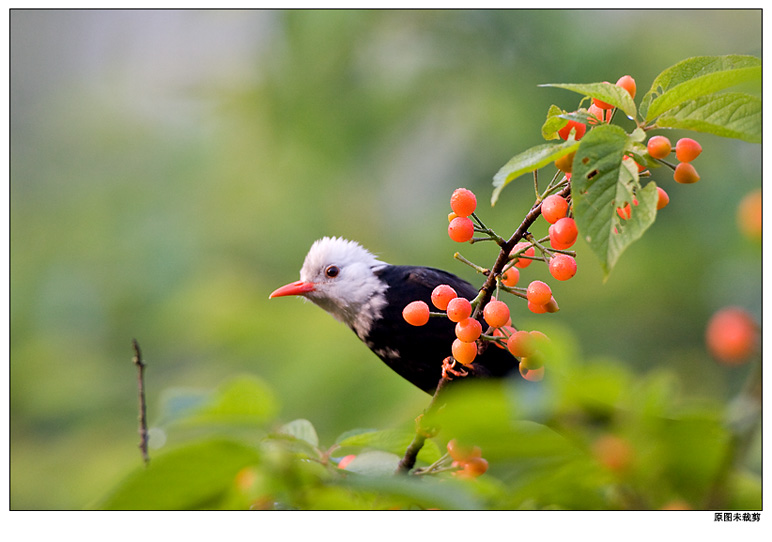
(449, 368)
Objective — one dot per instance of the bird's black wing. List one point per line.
(416, 353)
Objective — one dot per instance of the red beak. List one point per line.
(293, 288)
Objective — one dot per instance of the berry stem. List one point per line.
(473, 265)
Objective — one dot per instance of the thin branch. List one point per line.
(143, 435)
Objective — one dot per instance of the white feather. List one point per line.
(355, 295)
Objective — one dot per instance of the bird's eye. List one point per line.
(332, 271)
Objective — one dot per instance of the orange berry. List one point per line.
(464, 353)
(553, 208)
(468, 330)
(496, 313)
(578, 127)
(343, 463)
(416, 313)
(473, 468)
(523, 262)
(451, 216)
(536, 309)
(539, 292)
(732, 336)
(532, 375)
(662, 198)
(520, 344)
(685, 173)
(563, 233)
(505, 331)
(562, 266)
(614, 453)
(463, 202)
(510, 277)
(602, 104)
(627, 83)
(687, 149)
(462, 453)
(566, 162)
(461, 229)
(598, 112)
(532, 362)
(458, 309)
(442, 295)
(658, 146)
(749, 215)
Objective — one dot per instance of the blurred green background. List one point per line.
(169, 169)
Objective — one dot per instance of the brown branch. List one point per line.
(143, 435)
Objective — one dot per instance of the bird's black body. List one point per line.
(417, 353)
(369, 295)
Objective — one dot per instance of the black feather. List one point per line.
(417, 353)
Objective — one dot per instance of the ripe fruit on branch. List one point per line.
(563, 233)
(473, 468)
(685, 173)
(520, 344)
(562, 266)
(463, 202)
(468, 330)
(464, 353)
(522, 263)
(416, 313)
(658, 147)
(496, 313)
(732, 336)
(538, 293)
(442, 295)
(458, 309)
(461, 229)
(597, 112)
(602, 104)
(510, 277)
(662, 198)
(687, 149)
(614, 453)
(532, 375)
(343, 463)
(463, 453)
(579, 128)
(627, 83)
(553, 208)
(566, 162)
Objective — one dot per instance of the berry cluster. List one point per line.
(686, 150)
(469, 459)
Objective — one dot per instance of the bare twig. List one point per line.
(143, 436)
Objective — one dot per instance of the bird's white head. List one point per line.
(339, 276)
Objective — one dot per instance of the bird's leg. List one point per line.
(448, 368)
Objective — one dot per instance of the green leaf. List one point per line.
(553, 123)
(188, 478)
(374, 463)
(302, 430)
(607, 92)
(731, 114)
(244, 400)
(601, 182)
(389, 440)
(696, 77)
(530, 160)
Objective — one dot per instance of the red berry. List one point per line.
(463, 202)
(627, 83)
(685, 173)
(464, 353)
(468, 330)
(579, 127)
(732, 336)
(658, 146)
(553, 208)
(473, 468)
(458, 309)
(416, 313)
(539, 293)
(687, 149)
(461, 229)
(510, 277)
(523, 262)
(563, 233)
(532, 375)
(662, 198)
(520, 344)
(602, 104)
(496, 313)
(442, 295)
(562, 266)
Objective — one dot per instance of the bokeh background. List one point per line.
(169, 169)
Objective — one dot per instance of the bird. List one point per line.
(368, 295)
